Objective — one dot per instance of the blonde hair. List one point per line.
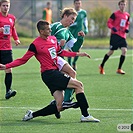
(68, 12)
(2, 1)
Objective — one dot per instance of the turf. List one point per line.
(109, 97)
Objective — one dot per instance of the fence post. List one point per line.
(33, 17)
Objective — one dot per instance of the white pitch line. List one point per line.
(98, 109)
(113, 57)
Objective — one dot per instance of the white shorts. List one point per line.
(70, 44)
(61, 62)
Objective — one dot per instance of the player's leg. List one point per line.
(81, 99)
(51, 108)
(70, 60)
(6, 57)
(74, 63)
(72, 73)
(113, 46)
(121, 61)
(66, 68)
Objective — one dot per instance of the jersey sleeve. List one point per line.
(128, 22)
(66, 53)
(110, 21)
(14, 32)
(21, 61)
(85, 24)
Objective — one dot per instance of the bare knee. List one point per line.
(77, 85)
(73, 73)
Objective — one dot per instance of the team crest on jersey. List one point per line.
(10, 20)
(126, 17)
(52, 41)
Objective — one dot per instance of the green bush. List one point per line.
(99, 17)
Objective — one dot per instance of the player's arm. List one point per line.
(15, 35)
(127, 25)
(66, 53)
(20, 61)
(44, 14)
(85, 24)
(110, 23)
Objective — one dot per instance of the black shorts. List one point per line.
(117, 42)
(55, 80)
(6, 56)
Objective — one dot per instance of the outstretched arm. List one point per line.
(83, 54)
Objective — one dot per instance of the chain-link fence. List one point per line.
(28, 12)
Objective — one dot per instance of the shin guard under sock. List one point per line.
(8, 81)
(83, 104)
(122, 58)
(48, 110)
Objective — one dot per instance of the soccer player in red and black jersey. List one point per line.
(119, 25)
(46, 50)
(7, 30)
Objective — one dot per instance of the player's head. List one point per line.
(68, 12)
(122, 5)
(77, 4)
(68, 16)
(43, 28)
(49, 4)
(4, 6)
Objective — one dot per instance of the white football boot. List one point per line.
(89, 119)
(28, 115)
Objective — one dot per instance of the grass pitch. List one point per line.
(109, 97)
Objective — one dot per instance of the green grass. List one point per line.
(109, 97)
(88, 42)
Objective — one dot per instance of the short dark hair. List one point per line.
(41, 24)
(124, 1)
(76, 0)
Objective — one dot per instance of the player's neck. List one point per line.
(4, 14)
(63, 23)
(122, 11)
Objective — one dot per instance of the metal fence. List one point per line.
(28, 12)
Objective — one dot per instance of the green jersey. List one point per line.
(81, 23)
(61, 32)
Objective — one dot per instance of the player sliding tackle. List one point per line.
(46, 50)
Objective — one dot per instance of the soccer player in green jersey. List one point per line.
(61, 31)
(81, 23)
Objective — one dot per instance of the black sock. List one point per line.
(104, 60)
(122, 58)
(48, 110)
(8, 81)
(83, 104)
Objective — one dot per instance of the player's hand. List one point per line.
(17, 42)
(2, 67)
(127, 31)
(83, 54)
(114, 29)
(62, 42)
(81, 33)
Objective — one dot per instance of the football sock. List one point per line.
(48, 110)
(75, 59)
(68, 95)
(70, 61)
(8, 81)
(122, 58)
(83, 104)
(104, 60)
